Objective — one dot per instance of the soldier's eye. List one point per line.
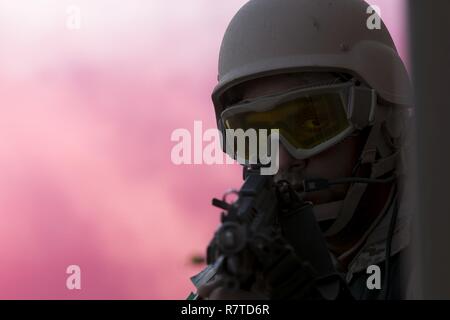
(312, 124)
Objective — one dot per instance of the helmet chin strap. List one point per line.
(327, 211)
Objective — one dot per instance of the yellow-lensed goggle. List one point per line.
(309, 120)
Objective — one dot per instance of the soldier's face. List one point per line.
(333, 163)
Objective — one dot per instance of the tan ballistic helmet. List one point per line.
(270, 37)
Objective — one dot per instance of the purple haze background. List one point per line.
(85, 124)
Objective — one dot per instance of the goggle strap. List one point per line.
(362, 107)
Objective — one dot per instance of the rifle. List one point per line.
(252, 238)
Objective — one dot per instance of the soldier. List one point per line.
(339, 94)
